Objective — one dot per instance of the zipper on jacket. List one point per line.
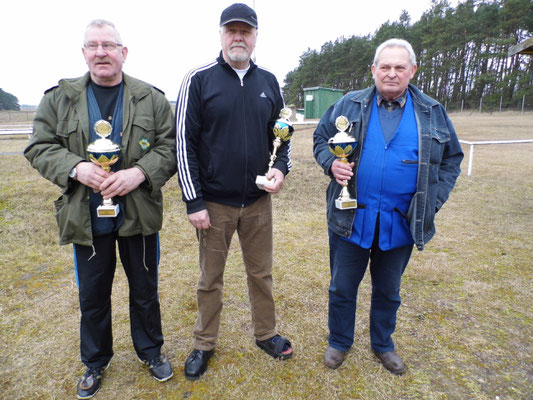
(245, 141)
(245, 131)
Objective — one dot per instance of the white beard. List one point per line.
(239, 57)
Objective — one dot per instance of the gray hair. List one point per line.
(396, 43)
(100, 23)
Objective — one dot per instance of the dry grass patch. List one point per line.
(464, 328)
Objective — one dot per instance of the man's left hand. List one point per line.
(278, 179)
(122, 182)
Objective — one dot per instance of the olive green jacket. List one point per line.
(60, 139)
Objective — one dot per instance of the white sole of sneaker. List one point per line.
(164, 379)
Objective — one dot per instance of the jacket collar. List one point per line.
(366, 95)
(421, 98)
(75, 89)
(75, 86)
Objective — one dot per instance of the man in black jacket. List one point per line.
(224, 117)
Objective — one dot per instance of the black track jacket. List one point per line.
(224, 134)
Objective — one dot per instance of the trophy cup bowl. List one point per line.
(342, 145)
(283, 132)
(104, 153)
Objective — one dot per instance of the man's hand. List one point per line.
(278, 179)
(121, 182)
(200, 219)
(342, 172)
(91, 175)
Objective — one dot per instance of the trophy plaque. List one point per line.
(342, 146)
(283, 132)
(104, 153)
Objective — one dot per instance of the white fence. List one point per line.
(16, 130)
(472, 144)
(27, 130)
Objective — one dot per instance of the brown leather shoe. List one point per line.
(333, 358)
(392, 361)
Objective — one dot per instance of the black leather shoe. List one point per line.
(392, 361)
(196, 363)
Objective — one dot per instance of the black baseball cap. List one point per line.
(239, 12)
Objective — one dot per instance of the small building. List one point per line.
(318, 99)
(526, 47)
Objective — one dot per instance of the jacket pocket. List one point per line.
(142, 136)
(67, 129)
(143, 212)
(439, 137)
(73, 218)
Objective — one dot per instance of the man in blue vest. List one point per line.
(406, 162)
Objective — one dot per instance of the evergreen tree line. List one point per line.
(462, 55)
(8, 101)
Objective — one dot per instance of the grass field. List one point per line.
(464, 328)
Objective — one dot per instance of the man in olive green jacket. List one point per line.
(60, 140)
(143, 126)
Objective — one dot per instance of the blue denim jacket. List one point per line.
(440, 157)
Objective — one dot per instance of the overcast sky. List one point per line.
(41, 40)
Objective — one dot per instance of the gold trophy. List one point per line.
(104, 153)
(283, 132)
(342, 145)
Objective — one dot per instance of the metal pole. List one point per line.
(446, 105)
(501, 98)
(480, 103)
(462, 104)
(470, 158)
(523, 102)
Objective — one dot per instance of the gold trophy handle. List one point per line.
(277, 144)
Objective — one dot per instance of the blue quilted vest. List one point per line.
(386, 182)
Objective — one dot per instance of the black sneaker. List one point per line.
(159, 367)
(90, 382)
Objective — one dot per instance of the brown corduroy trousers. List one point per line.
(254, 227)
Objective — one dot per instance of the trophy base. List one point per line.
(107, 211)
(261, 181)
(348, 204)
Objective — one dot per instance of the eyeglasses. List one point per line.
(107, 46)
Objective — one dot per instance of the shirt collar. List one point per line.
(392, 105)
